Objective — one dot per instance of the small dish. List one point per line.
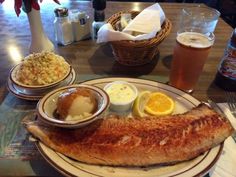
(34, 95)
(122, 95)
(35, 87)
(47, 106)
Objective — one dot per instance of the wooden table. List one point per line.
(90, 60)
(87, 57)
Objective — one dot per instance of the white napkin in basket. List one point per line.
(149, 22)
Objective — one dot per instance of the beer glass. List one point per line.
(193, 43)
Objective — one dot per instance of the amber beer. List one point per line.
(190, 54)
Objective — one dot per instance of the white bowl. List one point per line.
(47, 106)
(35, 87)
(124, 105)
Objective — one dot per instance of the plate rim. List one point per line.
(39, 144)
(202, 172)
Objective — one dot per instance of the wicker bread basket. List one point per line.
(133, 53)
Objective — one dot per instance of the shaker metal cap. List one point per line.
(61, 12)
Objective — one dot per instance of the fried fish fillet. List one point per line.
(145, 141)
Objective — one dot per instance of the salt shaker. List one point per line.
(63, 26)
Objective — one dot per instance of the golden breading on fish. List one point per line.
(145, 141)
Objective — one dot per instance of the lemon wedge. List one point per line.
(140, 102)
(159, 104)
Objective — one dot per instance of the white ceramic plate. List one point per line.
(196, 167)
(36, 95)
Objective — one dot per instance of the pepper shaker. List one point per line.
(99, 16)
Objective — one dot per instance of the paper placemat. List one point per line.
(13, 109)
(13, 135)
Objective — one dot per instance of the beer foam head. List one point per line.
(193, 39)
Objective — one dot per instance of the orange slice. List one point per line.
(159, 104)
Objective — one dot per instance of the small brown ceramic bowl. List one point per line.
(47, 107)
(40, 88)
